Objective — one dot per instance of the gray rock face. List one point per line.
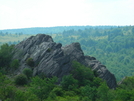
(54, 60)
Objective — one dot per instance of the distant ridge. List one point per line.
(50, 30)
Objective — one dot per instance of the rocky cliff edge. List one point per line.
(52, 59)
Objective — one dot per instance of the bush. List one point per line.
(5, 55)
(68, 82)
(21, 79)
(30, 62)
(42, 87)
(49, 50)
(58, 91)
(28, 72)
(83, 74)
(14, 64)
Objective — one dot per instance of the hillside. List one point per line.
(112, 45)
(38, 69)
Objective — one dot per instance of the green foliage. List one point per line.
(30, 62)
(102, 92)
(14, 64)
(42, 75)
(45, 90)
(112, 46)
(69, 83)
(3, 70)
(58, 91)
(5, 55)
(28, 72)
(127, 83)
(88, 93)
(83, 74)
(96, 82)
(25, 96)
(7, 91)
(49, 50)
(42, 87)
(21, 79)
(107, 44)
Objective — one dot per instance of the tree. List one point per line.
(42, 87)
(83, 74)
(30, 62)
(5, 55)
(24, 96)
(6, 89)
(68, 82)
(109, 49)
(102, 92)
(123, 95)
(21, 79)
(28, 72)
(88, 93)
(14, 64)
(127, 83)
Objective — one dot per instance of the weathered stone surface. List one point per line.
(54, 60)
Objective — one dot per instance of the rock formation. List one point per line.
(52, 59)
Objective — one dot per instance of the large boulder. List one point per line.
(52, 59)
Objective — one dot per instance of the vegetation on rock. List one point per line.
(30, 62)
(28, 72)
(46, 89)
(21, 79)
(112, 46)
(14, 64)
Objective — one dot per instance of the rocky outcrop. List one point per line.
(52, 59)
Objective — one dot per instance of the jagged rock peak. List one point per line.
(39, 38)
(52, 59)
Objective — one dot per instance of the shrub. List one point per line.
(3, 70)
(58, 91)
(5, 55)
(30, 62)
(83, 74)
(21, 79)
(28, 72)
(42, 87)
(49, 50)
(14, 64)
(68, 82)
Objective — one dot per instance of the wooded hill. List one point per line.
(82, 84)
(112, 45)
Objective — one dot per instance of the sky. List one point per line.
(48, 13)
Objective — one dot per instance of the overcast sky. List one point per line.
(46, 13)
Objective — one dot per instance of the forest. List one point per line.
(113, 46)
(82, 84)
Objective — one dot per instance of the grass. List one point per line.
(13, 38)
